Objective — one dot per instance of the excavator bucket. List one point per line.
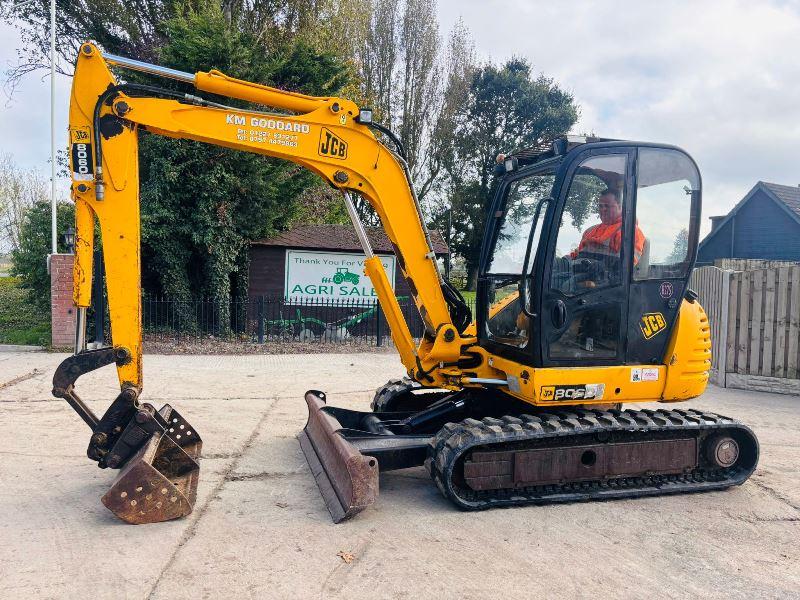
(347, 480)
(157, 452)
(159, 482)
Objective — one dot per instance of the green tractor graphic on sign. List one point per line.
(343, 274)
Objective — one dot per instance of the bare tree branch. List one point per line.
(19, 190)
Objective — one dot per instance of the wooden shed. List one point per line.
(335, 247)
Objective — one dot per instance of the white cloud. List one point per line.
(25, 116)
(719, 78)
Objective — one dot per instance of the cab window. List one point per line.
(590, 234)
(666, 182)
(522, 214)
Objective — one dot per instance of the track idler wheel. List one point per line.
(404, 395)
(722, 451)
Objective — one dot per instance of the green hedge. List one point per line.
(20, 321)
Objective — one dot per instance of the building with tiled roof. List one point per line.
(764, 225)
(271, 258)
(340, 237)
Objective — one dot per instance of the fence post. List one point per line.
(98, 299)
(378, 332)
(722, 361)
(261, 319)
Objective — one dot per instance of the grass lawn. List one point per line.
(20, 321)
(469, 297)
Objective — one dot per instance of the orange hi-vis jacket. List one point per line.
(607, 239)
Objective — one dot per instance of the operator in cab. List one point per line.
(605, 238)
(596, 260)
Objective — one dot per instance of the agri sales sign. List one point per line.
(320, 277)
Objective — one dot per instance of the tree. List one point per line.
(680, 248)
(28, 258)
(202, 205)
(459, 69)
(19, 190)
(409, 82)
(506, 108)
(136, 28)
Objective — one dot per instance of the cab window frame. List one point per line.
(491, 245)
(528, 354)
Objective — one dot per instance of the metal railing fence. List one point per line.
(267, 319)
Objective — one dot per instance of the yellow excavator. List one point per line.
(520, 405)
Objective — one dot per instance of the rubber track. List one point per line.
(454, 440)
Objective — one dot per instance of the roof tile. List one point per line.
(789, 195)
(339, 237)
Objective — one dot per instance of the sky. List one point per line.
(720, 79)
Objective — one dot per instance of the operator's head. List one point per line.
(609, 206)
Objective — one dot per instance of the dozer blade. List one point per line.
(347, 480)
(159, 482)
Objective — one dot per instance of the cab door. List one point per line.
(584, 300)
(668, 190)
(509, 258)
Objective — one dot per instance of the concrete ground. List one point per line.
(261, 530)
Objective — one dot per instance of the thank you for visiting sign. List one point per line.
(320, 277)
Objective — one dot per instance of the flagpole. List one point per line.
(54, 238)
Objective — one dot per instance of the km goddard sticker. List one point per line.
(643, 374)
(578, 391)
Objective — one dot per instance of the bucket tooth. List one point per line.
(347, 480)
(159, 482)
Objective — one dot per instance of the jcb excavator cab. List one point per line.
(596, 242)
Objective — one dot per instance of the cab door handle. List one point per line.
(559, 314)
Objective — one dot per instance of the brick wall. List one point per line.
(62, 313)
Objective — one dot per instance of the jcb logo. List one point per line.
(80, 134)
(652, 324)
(548, 392)
(332, 145)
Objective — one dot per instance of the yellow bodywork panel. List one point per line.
(688, 354)
(118, 214)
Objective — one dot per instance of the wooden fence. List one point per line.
(755, 326)
(752, 264)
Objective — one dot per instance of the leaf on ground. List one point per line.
(347, 557)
